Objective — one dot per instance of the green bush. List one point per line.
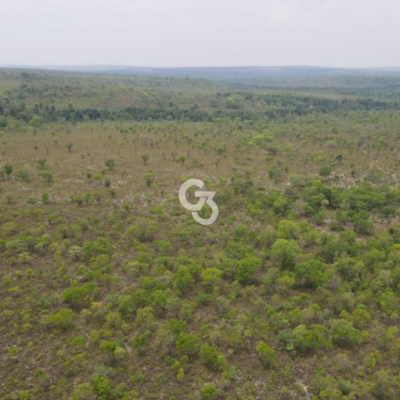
(61, 320)
(247, 268)
(188, 344)
(310, 340)
(212, 358)
(285, 252)
(344, 334)
(209, 392)
(265, 354)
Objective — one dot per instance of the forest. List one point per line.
(110, 290)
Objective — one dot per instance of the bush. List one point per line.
(83, 391)
(309, 340)
(246, 269)
(110, 163)
(61, 320)
(266, 355)
(184, 279)
(188, 344)
(310, 273)
(284, 253)
(212, 358)
(78, 296)
(209, 392)
(325, 171)
(344, 334)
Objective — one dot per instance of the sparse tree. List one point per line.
(145, 158)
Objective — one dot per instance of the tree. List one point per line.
(149, 178)
(83, 391)
(309, 340)
(265, 354)
(145, 158)
(344, 334)
(182, 159)
(61, 320)
(45, 198)
(184, 279)
(310, 273)
(246, 269)
(144, 318)
(284, 252)
(47, 176)
(42, 162)
(211, 277)
(212, 358)
(188, 344)
(288, 230)
(209, 392)
(69, 146)
(8, 169)
(325, 171)
(110, 163)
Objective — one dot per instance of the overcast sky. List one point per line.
(340, 33)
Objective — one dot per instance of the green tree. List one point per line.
(110, 163)
(60, 320)
(265, 354)
(42, 162)
(188, 344)
(310, 273)
(149, 178)
(247, 268)
(344, 334)
(211, 277)
(209, 392)
(212, 358)
(325, 171)
(183, 279)
(145, 158)
(8, 169)
(310, 340)
(285, 252)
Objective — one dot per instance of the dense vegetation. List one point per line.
(109, 290)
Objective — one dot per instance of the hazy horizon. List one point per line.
(193, 33)
(377, 67)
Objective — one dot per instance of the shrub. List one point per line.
(78, 296)
(309, 340)
(209, 392)
(8, 169)
(212, 358)
(325, 171)
(47, 176)
(42, 162)
(188, 344)
(310, 273)
(211, 277)
(145, 158)
(246, 269)
(184, 279)
(149, 178)
(83, 391)
(344, 334)
(265, 354)
(110, 163)
(284, 252)
(61, 320)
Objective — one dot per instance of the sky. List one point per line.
(177, 33)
